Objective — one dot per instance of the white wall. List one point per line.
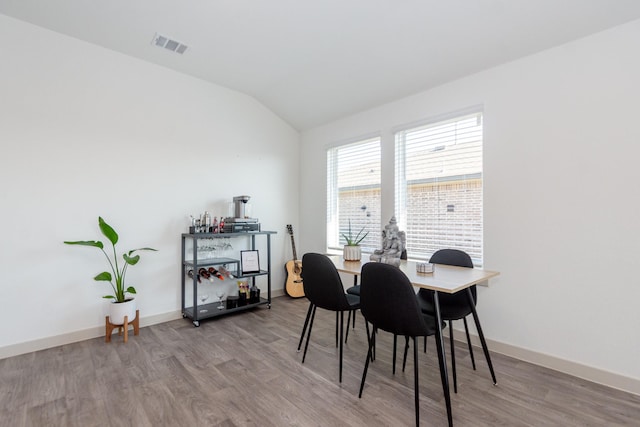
(84, 132)
(560, 195)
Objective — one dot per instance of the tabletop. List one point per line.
(444, 278)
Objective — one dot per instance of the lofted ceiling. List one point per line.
(312, 62)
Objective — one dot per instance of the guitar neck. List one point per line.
(293, 248)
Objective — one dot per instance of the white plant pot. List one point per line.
(117, 311)
(352, 253)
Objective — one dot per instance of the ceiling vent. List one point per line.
(169, 44)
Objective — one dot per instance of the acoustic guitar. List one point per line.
(293, 286)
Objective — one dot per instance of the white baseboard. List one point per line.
(277, 293)
(89, 333)
(75, 336)
(590, 373)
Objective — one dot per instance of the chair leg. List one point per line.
(453, 358)
(371, 339)
(373, 353)
(466, 330)
(366, 325)
(481, 335)
(395, 341)
(425, 344)
(306, 323)
(415, 376)
(306, 345)
(406, 349)
(337, 315)
(346, 336)
(366, 363)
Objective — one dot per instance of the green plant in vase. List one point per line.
(116, 277)
(351, 240)
(123, 307)
(352, 250)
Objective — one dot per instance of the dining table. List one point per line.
(442, 278)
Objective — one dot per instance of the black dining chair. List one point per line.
(455, 306)
(323, 288)
(388, 302)
(355, 289)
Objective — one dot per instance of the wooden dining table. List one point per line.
(444, 278)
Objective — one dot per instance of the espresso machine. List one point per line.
(240, 222)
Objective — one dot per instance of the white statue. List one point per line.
(393, 244)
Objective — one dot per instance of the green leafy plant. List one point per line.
(118, 271)
(354, 241)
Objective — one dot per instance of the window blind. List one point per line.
(353, 193)
(438, 195)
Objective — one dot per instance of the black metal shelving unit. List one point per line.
(232, 264)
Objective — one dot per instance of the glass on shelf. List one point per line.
(220, 293)
(203, 298)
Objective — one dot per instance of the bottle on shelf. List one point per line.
(221, 225)
(226, 272)
(206, 219)
(204, 273)
(215, 224)
(216, 273)
(190, 274)
(243, 295)
(254, 293)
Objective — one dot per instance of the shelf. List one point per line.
(261, 273)
(222, 235)
(214, 312)
(192, 262)
(210, 261)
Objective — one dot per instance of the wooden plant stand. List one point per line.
(110, 327)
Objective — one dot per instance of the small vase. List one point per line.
(117, 311)
(352, 253)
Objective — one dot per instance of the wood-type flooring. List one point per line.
(243, 370)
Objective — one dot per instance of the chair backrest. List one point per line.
(388, 301)
(457, 258)
(322, 283)
(452, 257)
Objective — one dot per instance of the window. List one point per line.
(438, 195)
(353, 193)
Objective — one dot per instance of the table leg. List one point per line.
(341, 336)
(481, 335)
(442, 360)
(355, 282)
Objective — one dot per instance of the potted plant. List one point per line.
(122, 304)
(352, 250)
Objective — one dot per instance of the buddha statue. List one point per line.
(393, 244)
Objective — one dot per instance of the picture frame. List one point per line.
(249, 262)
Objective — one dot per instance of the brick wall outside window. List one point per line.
(445, 215)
